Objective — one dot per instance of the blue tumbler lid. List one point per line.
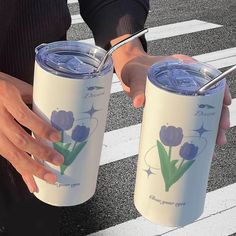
(183, 77)
(72, 59)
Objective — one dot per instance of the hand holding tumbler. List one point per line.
(73, 97)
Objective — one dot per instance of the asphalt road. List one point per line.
(113, 202)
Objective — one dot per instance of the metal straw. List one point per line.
(215, 80)
(121, 43)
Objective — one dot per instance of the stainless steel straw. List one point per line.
(121, 43)
(215, 80)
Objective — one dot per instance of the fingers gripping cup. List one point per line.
(177, 142)
(73, 97)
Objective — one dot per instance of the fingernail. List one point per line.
(50, 178)
(58, 159)
(30, 187)
(28, 184)
(55, 137)
(138, 100)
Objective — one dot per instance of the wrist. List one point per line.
(126, 53)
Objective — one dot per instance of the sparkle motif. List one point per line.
(91, 111)
(149, 172)
(201, 130)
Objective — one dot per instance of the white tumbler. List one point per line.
(178, 135)
(70, 95)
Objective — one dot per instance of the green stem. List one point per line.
(62, 136)
(63, 168)
(181, 163)
(74, 146)
(169, 154)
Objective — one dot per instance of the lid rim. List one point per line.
(92, 52)
(196, 67)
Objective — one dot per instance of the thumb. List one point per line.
(137, 80)
(138, 95)
(137, 83)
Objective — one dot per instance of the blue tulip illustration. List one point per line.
(63, 121)
(80, 133)
(188, 151)
(170, 137)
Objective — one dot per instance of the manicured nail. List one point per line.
(138, 100)
(50, 178)
(58, 159)
(55, 137)
(30, 187)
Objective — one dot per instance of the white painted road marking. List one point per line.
(119, 144)
(76, 19)
(180, 28)
(171, 30)
(72, 1)
(218, 219)
(219, 59)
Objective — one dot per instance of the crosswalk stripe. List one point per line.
(180, 28)
(218, 219)
(119, 144)
(218, 59)
(171, 30)
(72, 1)
(76, 19)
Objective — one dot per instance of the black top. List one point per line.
(24, 24)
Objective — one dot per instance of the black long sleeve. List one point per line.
(24, 24)
(109, 19)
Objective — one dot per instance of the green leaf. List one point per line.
(63, 145)
(99, 87)
(165, 164)
(180, 172)
(67, 145)
(61, 149)
(73, 154)
(59, 144)
(173, 168)
(63, 168)
(209, 106)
